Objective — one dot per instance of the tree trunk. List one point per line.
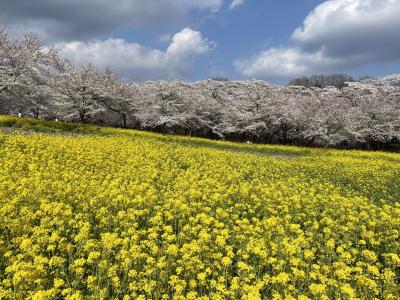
(37, 113)
(123, 120)
(82, 117)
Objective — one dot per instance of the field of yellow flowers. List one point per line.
(100, 213)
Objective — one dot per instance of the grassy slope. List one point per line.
(11, 123)
(34, 125)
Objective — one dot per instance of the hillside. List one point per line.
(97, 212)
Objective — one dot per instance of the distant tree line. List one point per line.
(332, 110)
(324, 80)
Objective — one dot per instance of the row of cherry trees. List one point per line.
(35, 81)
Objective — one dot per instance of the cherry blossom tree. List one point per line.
(25, 67)
(79, 90)
(118, 96)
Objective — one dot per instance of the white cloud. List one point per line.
(281, 63)
(139, 62)
(336, 35)
(77, 19)
(186, 43)
(236, 3)
(351, 26)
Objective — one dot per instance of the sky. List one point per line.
(272, 40)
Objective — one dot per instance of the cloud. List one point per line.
(282, 63)
(138, 62)
(236, 3)
(76, 19)
(336, 35)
